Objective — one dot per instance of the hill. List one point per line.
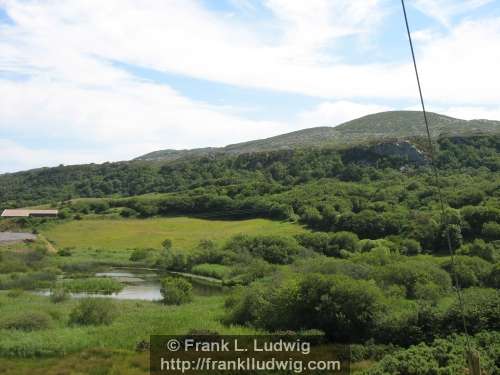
(379, 126)
(392, 139)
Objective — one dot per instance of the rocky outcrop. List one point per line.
(402, 150)
(396, 153)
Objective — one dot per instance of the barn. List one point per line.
(29, 213)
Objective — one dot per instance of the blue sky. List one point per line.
(86, 81)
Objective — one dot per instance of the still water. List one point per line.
(145, 285)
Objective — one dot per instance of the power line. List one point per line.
(444, 218)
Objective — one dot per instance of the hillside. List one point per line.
(290, 158)
(379, 126)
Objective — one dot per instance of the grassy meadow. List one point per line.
(185, 233)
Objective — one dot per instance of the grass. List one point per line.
(137, 320)
(103, 285)
(185, 233)
(92, 362)
(218, 271)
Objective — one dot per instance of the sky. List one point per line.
(91, 81)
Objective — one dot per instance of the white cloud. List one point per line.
(54, 38)
(135, 117)
(336, 113)
(444, 10)
(461, 67)
(473, 113)
(72, 91)
(311, 25)
(425, 35)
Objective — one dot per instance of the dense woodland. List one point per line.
(374, 269)
(247, 174)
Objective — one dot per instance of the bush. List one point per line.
(250, 271)
(30, 281)
(65, 252)
(410, 247)
(481, 308)
(330, 244)
(58, 295)
(479, 248)
(344, 308)
(217, 271)
(12, 265)
(273, 249)
(105, 285)
(470, 271)
(93, 311)
(27, 321)
(174, 260)
(176, 291)
(15, 293)
(128, 212)
(440, 357)
(138, 255)
(494, 277)
(421, 280)
(491, 230)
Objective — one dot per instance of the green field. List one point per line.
(185, 233)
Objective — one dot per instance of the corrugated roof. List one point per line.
(27, 213)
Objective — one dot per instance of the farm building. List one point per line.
(29, 213)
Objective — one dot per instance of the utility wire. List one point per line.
(437, 179)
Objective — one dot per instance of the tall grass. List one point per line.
(104, 285)
(136, 322)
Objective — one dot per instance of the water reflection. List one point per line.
(145, 285)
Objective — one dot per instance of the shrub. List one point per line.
(58, 295)
(420, 279)
(174, 260)
(105, 285)
(27, 321)
(410, 247)
(273, 249)
(440, 357)
(65, 252)
(15, 293)
(250, 271)
(30, 281)
(128, 212)
(481, 308)
(491, 230)
(330, 244)
(12, 265)
(208, 252)
(480, 249)
(176, 291)
(470, 271)
(494, 277)
(244, 304)
(344, 308)
(93, 311)
(416, 323)
(138, 255)
(217, 271)
(332, 266)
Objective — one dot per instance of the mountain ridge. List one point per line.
(400, 125)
